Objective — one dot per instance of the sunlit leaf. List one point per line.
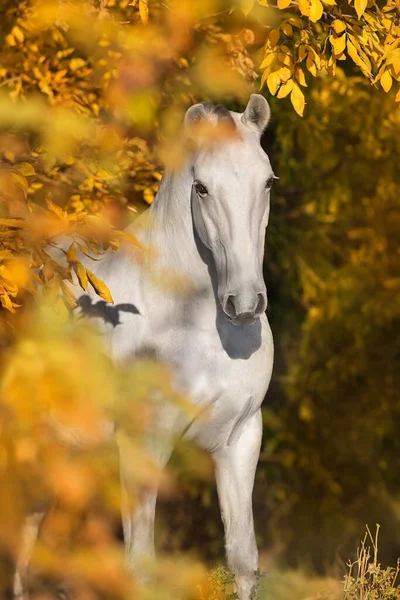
(301, 78)
(338, 43)
(273, 82)
(287, 29)
(144, 10)
(57, 210)
(100, 287)
(386, 81)
(339, 26)
(360, 6)
(69, 296)
(316, 10)
(81, 274)
(285, 89)
(25, 169)
(297, 99)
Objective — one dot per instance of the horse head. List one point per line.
(230, 201)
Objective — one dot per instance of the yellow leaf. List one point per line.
(302, 52)
(81, 274)
(273, 36)
(100, 287)
(287, 29)
(143, 11)
(76, 63)
(10, 40)
(394, 60)
(282, 4)
(360, 6)
(338, 43)
(285, 89)
(304, 6)
(7, 303)
(339, 26)
(301, 78)
(71, 253)
(20, 180)
(297, 99)
(55, 209)
(285, 59)
(68, 295)
(316, 10)
(268, 60)
(285, 73)
(310, 64)
(60, 74)
(246, 6)
(86, 252)
(351, 49)
(296, 22)
(386, 81)
(129, 237)
(273, 82)
(397, 99)
(25, 169)
(20, 223)
(148, 195)
(18, 33)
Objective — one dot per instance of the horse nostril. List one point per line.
(261, 304)
(230, 306)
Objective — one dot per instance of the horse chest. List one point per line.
(225, 379)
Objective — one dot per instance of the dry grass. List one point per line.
(366, 579)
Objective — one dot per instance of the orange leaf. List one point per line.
(68, 295)
(143, 11)
(81, 274)
(55, 209)
(71, 253)
(100, 287)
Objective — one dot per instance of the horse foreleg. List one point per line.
(29, 534)
(235, 467)
(138, 508)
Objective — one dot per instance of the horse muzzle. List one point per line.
(245, 307)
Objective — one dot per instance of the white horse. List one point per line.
(207, 224)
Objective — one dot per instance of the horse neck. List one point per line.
(171, 234)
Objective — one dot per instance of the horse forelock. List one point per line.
(221, 112)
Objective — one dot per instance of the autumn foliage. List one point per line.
(92, 97)
(86, 86)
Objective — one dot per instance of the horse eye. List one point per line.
(201, 189)
(270, 182)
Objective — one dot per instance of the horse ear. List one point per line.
(195, 114)
(257, 113)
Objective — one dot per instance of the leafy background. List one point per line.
(92, 95)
